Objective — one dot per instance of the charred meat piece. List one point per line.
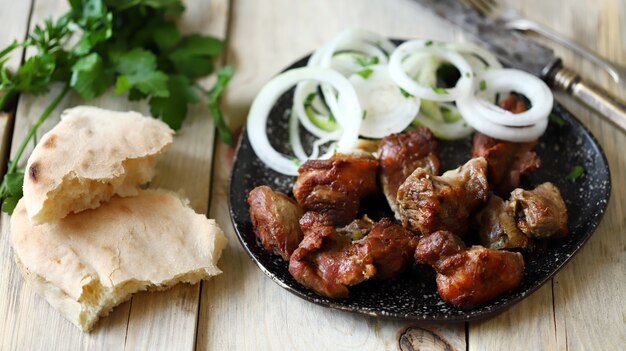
(541, 212)
(467, 278)
(336, 186)
(357, 229)
(507, 161)
(430, 203)
(400, 154)
(498, 227)
(328, 261)
(275, 219)
(391, 246)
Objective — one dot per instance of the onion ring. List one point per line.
(533, 88)
(349, 118)
(398, 74)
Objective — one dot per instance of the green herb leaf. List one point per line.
(364, 114)
(439, 90)
(309, 99)
(405, 93)
(365, 61)
(224, 75)
(166, 36)
(89, 79)
(137, 70)
(11, 190)
(467, 74)
(96, 22)
(557, 120)
(428, 43)
(295, 161)
(576, 172)
(365, 73)
(482, 85)
(173, 108)
(194, 56)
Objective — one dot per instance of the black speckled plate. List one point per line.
(413, 295)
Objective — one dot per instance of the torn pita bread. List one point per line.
(89, 262)
(88, 157)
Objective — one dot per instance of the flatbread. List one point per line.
(88, 157)
(89, 262)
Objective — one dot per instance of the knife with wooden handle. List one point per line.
(518, 51)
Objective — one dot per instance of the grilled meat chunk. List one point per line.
(337, 185)
(507, 161)
(275, 219)
(498, 227)
(328, 261)
(430, 203)
(541, 212)
(400, 154)
(357, 229)
(467, 278)
(391, 247)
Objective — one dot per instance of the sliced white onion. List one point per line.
(498, 131)
(294, 137)
(449, 131)
(386, 109)
(345, 40)
(351, 37)
(302, 91)
(399, 75)
(349, 117)
(470, 50)
(507, 80)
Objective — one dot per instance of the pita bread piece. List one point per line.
(88, 157)
(89, 262)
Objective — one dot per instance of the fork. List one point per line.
(513, 20)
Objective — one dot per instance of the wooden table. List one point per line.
(581, 308)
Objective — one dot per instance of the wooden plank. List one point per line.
(14, 19)
(589, 294)
(243, 309)
(597, 274)
(167, 320)
(26, 314)
(15, 23)
(161, 321)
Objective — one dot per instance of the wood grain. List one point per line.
(583, 308)
(164, 320)
(243, 309)
(14, 20)
(167, 320)
(14, 27)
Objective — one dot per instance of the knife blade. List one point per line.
(515, 50)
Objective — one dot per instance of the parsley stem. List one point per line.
(33, 129)
(4, 99)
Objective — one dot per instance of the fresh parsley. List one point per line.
(133, 46)
(556, 120)
(440, 90)
(576, 172)
(482, 85)
(365, 61)
(405, 93)
(365, 73)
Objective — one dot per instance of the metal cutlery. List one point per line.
(518, 51)
(513, 20)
